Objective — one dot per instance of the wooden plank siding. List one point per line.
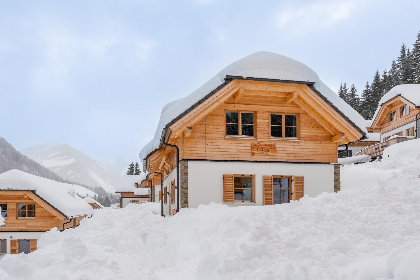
(44, 220)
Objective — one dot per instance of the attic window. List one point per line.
(239, 124)
(392, 116)
(405, 110)
(26, 211)
(283, 126)
(3, 208)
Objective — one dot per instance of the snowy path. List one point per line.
(370, 230)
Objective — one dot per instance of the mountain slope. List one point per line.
(73, 165)
(10, 159)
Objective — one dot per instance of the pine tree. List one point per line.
(136, 169)
(415, 60)
(130, 170)
(354, 100)
(365, 107)
(405, 74)
(376, 91)
(393, 74)
(386, 82)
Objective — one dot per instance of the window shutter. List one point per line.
(165, 191)
(228, 193)
(267, 190)
(412, 133)
(33, 244)
(299, 189)
(173, 192)
(160, 195)
(13, 246)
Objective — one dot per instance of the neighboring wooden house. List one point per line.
(395, 118)
(131, 190)
(32, 205)
(93, 203)
(263, 131)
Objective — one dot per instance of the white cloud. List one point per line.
(323, 14)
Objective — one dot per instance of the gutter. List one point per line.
(177, 169)
(151, 187)
(71, 219)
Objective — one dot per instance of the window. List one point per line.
(243, 186)
(405, 110)
(26, 211)
(283, 126)
(3, 208)
(24, 246)
(281, 190)
(392, 116)
(239, 124)
(3, 246)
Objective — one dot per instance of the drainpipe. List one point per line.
(417, 125)
(161, 193)
(177, 169)
(71, 219)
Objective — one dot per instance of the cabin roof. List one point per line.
(263, 66)
(410, 92)
(127, 182)
(61, 196)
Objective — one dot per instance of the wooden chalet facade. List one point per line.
(395, 118)
(132, 190)
(28, 214)
(253, 140)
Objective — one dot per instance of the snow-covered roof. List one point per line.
(89, 199)
(368, 123)
(62, 196)
(410, 92)
(372, 137)
(128, 182)
(141, 191)
(260, 65)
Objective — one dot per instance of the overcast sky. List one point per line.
(96, 74)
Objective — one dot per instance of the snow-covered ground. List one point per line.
(369, 230)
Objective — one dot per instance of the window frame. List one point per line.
(290, 194)
(404, 110)
(240, 124)
(26, 211)
(1, 210)
(252, 176)
(283, 129)
(29, 241)
(5, 246)
(392, 116)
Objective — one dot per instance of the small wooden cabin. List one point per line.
(263, 131)
(132, 190)
(31, 205)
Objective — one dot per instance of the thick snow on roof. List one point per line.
(62, 196)
(368, 123)
(141, 191)
(411, 92)
(128, 182)
(263, 65)
(89, 199)
(372, 137)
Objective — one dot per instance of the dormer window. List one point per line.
(392, 116)
(239, 124)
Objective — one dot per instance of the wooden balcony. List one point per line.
(378, 149)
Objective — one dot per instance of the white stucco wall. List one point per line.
(167, 208)
(205, 178)
(19, 235)
(126, 200)
(401, 128)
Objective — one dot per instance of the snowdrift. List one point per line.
(369, 230)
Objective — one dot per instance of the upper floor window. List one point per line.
(405, 110)
(284, 126)
(392, 116)
(3, 208)
(3, 246)
(239, 124)
(26, 210)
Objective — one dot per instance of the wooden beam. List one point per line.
(338, 137)
(292, 97)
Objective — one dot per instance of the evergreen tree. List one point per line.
(404, 66)
(393, 75)
(415, 60)
(136, 169)
(354, 100)
(365, 107)
(130, 170)
(376, 91)
(107, 202)
(386, 82)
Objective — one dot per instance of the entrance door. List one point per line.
(281, 189)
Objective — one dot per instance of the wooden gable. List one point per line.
(46, 217)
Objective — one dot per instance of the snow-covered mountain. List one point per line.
(72, 165)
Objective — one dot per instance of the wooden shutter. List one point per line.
(33, 244)
(173, 191)
(13, 246)
(228, 192)
(165, 191)
(160, 195)
(412, 133)
(299, 189)
(267, 190)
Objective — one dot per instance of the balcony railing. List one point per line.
(378, 149)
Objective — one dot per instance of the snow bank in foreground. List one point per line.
(369, 230)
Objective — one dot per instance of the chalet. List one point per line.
(265, 130)
(396, 119)
(351, 149)
(31, 205)
(131, 190)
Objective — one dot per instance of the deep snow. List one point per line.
(369, 230)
